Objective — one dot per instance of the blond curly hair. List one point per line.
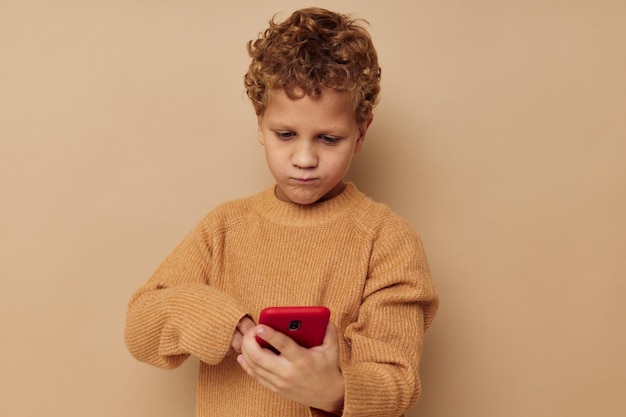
(312, 49)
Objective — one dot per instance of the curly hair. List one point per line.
(312, 49)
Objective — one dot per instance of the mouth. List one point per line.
(304, 180)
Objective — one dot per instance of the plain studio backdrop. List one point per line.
(500, 136)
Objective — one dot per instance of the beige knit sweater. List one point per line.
(349, 253)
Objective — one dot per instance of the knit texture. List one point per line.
(351, 254)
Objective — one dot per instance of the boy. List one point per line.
(311, 239)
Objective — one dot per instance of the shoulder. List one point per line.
(391, 236)
(231, 213)
(380, 220)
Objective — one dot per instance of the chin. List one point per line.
(304, 201)
(301, 197)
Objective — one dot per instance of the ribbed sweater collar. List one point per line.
(317, 214)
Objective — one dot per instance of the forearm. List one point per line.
(379, 390)
(165, 326)
(382, 370)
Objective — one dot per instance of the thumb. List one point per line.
(331, 337)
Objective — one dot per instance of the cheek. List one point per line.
(274, 158)
(340, 162)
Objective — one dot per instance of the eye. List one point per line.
(284, 135)
(329, 140)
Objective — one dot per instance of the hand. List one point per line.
(243, 326)
(308, 376)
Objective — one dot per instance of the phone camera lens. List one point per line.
(294, 324)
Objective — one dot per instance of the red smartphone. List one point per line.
(305, 325)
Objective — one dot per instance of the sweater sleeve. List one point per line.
(399, 304)
(177, 313)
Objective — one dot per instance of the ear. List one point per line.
(362, 132)
(260, 136)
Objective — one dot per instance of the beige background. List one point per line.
(500, 136)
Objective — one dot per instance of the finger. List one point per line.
(331, 337)
(241, 360)
(245, 324)
(236, 341)
(261, 375)
(263, 365)
(279, 341)
(255, 360)
(256, 372)
(254, 353)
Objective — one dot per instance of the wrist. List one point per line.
(336, 398)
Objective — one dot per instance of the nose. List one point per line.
(304, 155)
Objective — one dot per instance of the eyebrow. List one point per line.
(286, 126)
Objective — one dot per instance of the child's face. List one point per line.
(309, 144)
